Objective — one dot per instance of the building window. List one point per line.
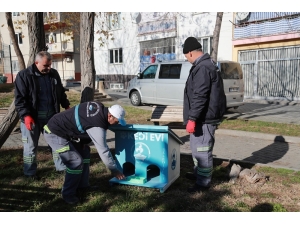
(159, 46)
(206, 43)
(50, 16)
(54, 65)
(19, 38)
(114, 20)
(116, 55)
(50, 38)
(15, 66)
(15, 14)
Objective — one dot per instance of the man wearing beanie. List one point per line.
(204, 104)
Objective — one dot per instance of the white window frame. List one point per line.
(19, 38)
(112, 56)
(53, 35)
(54, 65)
(15, 14)
(209, 43)
(15, 65)
(114, 21)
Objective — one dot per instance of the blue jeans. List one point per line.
(30, 141)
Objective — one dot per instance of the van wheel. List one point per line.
(135, 98)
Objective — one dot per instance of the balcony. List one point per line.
(61, 47)
(51, 17)
(266, 25)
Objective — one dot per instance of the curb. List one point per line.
(263, 136)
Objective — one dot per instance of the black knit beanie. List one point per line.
(191, 44)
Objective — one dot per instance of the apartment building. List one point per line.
(140, 38)
(267, 44)
(62, 44)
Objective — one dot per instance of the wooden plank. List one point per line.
(167, 114)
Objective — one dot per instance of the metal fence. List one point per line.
(5, 59)
(271, 73)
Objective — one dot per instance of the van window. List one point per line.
(170, 71)
(231, 71)
(149, 73)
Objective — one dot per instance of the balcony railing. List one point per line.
(262, 16)
(60, 47)
(267, 27)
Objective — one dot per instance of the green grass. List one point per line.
(20, 195)
(262, 127)
(6, 99)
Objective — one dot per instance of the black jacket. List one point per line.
(204, 97)
(27, 92)
(90, 114)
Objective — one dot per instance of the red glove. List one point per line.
(29, 122)
(190, 127)
(67, 107)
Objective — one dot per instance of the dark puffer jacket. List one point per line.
(204, 96)
(27, 92)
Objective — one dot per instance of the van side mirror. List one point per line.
(138, 75)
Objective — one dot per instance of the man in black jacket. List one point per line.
(204, 105)
(38, 96)
(69, 132)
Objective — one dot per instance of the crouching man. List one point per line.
(69, 132)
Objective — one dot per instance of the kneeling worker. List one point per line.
(69, 132)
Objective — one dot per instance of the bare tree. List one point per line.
(36, 33)
(216, 35)
(15, 44)
(11, 118)
(37, 43)
(88, 72)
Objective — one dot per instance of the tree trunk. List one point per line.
(36, 37)
(15, 44)
(36, 34)
(11, 119)
(216, 35)
(88, 72)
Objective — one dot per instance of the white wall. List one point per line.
(6, 38)
(125, 38)
(203, 25)
(198, 25)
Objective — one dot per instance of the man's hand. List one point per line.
(118, 175)
(190, 127)
(67, 107)
(29, 122)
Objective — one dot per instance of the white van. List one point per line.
(163, 83)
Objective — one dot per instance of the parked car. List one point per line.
(163, 83)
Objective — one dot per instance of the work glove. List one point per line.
(67, 107)
(190, 127)
(29, 122)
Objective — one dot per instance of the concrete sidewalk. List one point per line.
(256, 148)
